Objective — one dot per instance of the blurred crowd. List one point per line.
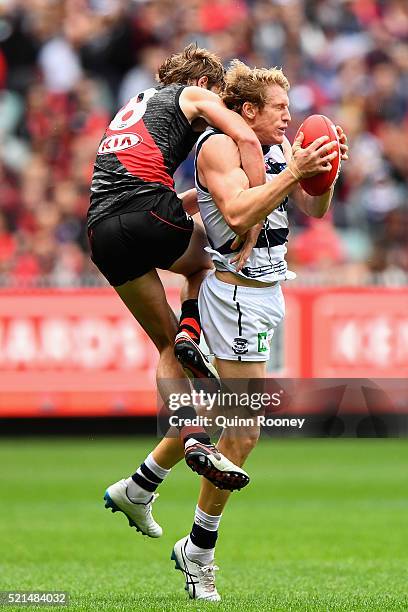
(67, 65)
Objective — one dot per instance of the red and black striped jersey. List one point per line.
(141, 149)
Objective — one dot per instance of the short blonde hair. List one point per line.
(245, 84)
(191, 64)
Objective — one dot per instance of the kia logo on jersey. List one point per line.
(118, 142)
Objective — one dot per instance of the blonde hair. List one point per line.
(191, 64)
(245, 84)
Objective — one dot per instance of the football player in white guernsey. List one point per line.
(241, 303)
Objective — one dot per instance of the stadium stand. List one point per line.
(66, 65)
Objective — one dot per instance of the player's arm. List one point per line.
(219, 164)
(314, 206)
(198, 102)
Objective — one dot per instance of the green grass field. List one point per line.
(323, 526)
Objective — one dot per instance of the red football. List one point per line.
(313, 127)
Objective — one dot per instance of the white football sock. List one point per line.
(203, 556)
(155, 467)
(210, 522)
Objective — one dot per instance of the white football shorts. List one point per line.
(239, 322)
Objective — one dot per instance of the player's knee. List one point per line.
(243, 444)
(200, 271)
(248, 442)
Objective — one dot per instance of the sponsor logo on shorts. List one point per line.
(240, 346)
(118, 142)
(263, 342)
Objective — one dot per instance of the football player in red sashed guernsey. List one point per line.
(137, 223)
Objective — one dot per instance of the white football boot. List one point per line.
(200, 579)
(206, 460)
(139, 514)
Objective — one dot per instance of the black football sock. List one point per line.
(203, 538)
(190, 320)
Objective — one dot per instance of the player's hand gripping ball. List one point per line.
(314, 127)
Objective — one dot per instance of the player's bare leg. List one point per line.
(194, 265)
(194, 554)
(234, 443)
(146, 299)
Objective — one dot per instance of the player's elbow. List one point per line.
(237, 223)
(241, 227)
(235, 214)
(317, 213)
